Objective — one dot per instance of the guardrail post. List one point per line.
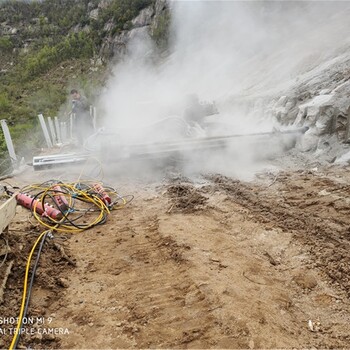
(45, 131)
(58, 130)
(8, 141)
(52, 130)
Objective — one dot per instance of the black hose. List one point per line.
(30, 287)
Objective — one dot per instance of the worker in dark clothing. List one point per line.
(196, 111)
(83, 125)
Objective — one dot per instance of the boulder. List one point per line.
(94, 14)
(139, 33)
(285, 110)
(308, 142)
(117, 47)
(318, 113)
(344, 159)
(144, 18)
(325, 120)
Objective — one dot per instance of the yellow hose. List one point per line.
(59, 226)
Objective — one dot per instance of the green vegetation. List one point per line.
(74, 46)
(121, 13)
(5, 44)
(46, 48)
(161, 31)
(5, 104)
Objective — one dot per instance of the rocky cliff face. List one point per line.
(24, 27)
(152, 22)
(320, 101)
(49, 46)
(318, 97)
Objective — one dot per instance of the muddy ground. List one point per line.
(211, 263)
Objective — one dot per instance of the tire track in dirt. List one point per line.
(141, 296)
(196, 276)
(300, 206)
(261, 301)
(167, 304)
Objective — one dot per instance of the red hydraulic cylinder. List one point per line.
(101, 191)
(28, 202)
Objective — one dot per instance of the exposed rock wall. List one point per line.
(143, 27)
(325, 112)
(318, 99)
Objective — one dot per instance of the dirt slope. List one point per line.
(216, 264)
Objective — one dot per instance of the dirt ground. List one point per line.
(211, 263)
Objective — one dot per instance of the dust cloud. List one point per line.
(223, 51)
